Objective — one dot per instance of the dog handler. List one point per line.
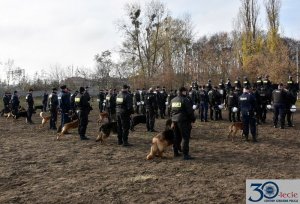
(83, 109)
(182, 117)
(124, 109)
(53, 106)
(30, 103)
(247, 106)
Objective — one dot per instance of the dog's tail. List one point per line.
(42, 115)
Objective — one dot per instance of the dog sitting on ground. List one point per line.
(68, 126)
(161, 141)
(234, 128)
(135, 120)
(105, 131)
(103, 116)
(45, 119)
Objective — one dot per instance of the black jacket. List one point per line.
(124, 103)
(182, 110)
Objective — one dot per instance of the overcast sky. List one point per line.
(40, 33)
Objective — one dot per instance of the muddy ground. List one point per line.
(35, 168)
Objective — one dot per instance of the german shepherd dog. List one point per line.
(71, 125)
(161, 141)
(234, 128)
(135, 120)
(105, 130)
(45, 119)
(103, 116)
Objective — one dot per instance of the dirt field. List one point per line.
(35, 168)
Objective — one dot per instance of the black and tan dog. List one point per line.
(104, 116)
(68, 126)
(135, 120)
(105, 130)
(234, 128)
(161, 141)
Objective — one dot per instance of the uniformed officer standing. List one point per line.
(110, 101)
(171, 95)
(53, 107)
(83, 109)
(293, 89)
(263, 102)
(65, 105)
(6, 100)
(151, 107)
(30, 103)
(247, 106)
(72, 104)
(232, 100)
(124, 109)
(15, 102)
(279, 98)
(203, 103)
(137, 101)
(237, 83)
(45, 100)
(228, 85)
(246, 82)
(101, 98)
(182, 117)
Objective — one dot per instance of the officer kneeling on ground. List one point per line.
(247, 106)
(182, 117)
(83, 109)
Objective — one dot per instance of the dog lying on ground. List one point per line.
(103, 116)
(68, 126)
(234, 128)
(161, 141)
(105, 130)
(45, 119)
(135, 120)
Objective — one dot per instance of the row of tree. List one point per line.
(159, 49)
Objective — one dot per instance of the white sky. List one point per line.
(41, 33)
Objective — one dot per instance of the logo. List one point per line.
(272, 191)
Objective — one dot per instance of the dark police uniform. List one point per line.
(232, 100)
(15, 102)
(228, 85)
(263, 101)
(171, 95)
(72, 101)
(182, 117)
(111, 105)
(151, 106)
(6, 100)
(83, 109)
(246, 83)
(237, 83)
(30, 103)
(293, 89)
(279, 103)
(203, 104)
(215, 99)
(137, 101)
(45, 100)
(65, 106)
(101, 98)
(53, 106)
(247, 106)
(124, 109)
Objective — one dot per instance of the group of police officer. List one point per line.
(245, 102)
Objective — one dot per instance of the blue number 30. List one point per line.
(257, 189)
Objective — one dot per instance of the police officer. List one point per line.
(83, 109)
(203, 103)
(30, 103)
(246, 82)
(171, 95)
(6, 101)
(237, 91)
(65, 105)
(151, 107)
(208, 85)
(111, 104)
(53, 107)
(237, 83)
(101, 98)
(72, 102)
(45, 100)
(15, 102)
(293, 89)
(279, 98)
(193, 93)
(262, 104)
(259, 83)
(232, 100)
(215, 99)
(247, 106)
(137, 101)
(182, 117)
(143, 99)
(228, 86)
(124, 109)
